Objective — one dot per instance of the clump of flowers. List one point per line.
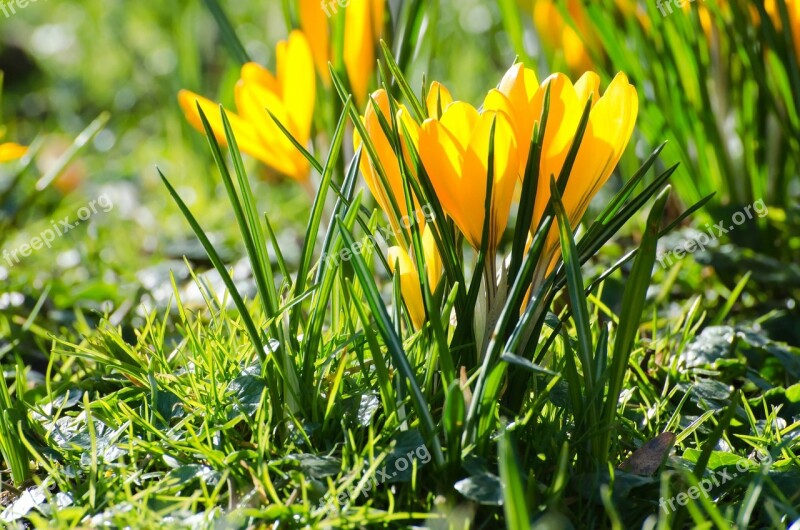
(461, 147)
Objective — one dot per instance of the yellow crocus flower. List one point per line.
(363, 25)
(410, 286)
(610, 126)
(455, 152)
(438, 98)
(385, 152)
(289, 95)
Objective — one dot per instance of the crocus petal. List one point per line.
(11, 151)
(409, 284)
(460, 119)
(442, 156)
(359, 44)
(562, 123)
(475, 173)
(438, 100)
(588, 85)
(519, 86)
(299, 84)
(255, 73)
(246, 135)
(560, 36)
(252, 100)
(314, 23)
(608, 132)
(433, 260)
(386, 156)
(289, 95)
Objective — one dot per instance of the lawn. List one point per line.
(400, 264)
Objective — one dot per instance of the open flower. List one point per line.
(455, 152)
(363, 24)
(611, 121)
(410, 286)
(289, 95)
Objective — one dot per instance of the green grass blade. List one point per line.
(514, 503)
(632, 307)
(227, 32)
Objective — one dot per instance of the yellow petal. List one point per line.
(299, 84)
(588, 85)
(359, 45)
(377, 14)
(475, 173)
(438, 100)
(520, 87)
(575, 52)
(549, 23)
(562, 123)
(411, 127)
(314, 23)
(433, 261)
(255, 73)
(460, 119)
(252, 100)
(11, 151)
(498, 102)
(442, 156)
(246, 135)
(409, 284)
(608, 132)
(386, 157)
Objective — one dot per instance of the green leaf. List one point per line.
(227, 32)
(631, 315)
(514, 504)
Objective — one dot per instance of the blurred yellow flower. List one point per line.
(409, 277)
(770, 6)
(363, 25)
(611, 121)
(574, 43)
(793, 9)
(558, 36)
(455, 152)
(11, 151)
(289, 95)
